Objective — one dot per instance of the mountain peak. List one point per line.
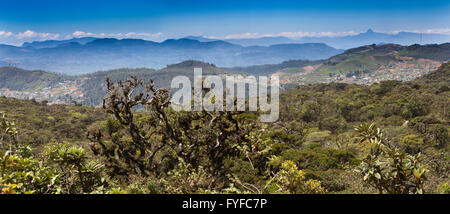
(199, 38)
(103, 41)
(191, 64)
(369, 31)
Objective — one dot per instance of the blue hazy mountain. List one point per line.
(263, 41)
(54, 43)
(76, 57)
(372, 37)
(346, 42)
(200, 38)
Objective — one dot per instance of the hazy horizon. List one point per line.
(161, 20)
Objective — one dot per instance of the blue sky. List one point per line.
(157, 20)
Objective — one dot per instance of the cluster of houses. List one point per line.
(65, 92)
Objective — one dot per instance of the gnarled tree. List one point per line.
(150, 140)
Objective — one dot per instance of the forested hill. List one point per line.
(89, 89)
(362, 59)
(413, 114)
(18, 79)
(94, 86)
(440, 77)
(433, 52)
(363, 65)
(314, 139)
(369, 64)
(273, 68)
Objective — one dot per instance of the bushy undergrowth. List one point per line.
(313, 148)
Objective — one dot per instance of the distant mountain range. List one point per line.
(263, 41)
(87, 55)
(90, 54)
(371, 37)
(345, 42)
(362, 65)
(54, 43)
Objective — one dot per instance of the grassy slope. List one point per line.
(433, 52)
(331, 111)
(369, 58)
(19, 79)
(287, 66)
(336, 108)
(39, 124)
(95, 88)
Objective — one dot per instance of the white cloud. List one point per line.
(285, 34)
(243, 36)
(11, 38)
(78, 34)
(30, 35)
(133, 34)
(317, 34)
(36, 35)
(445, 31)
(26, 36)
(5, 34)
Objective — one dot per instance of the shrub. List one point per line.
(386, 168)
(291, 180)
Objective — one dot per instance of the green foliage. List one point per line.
(24, 175)
(412, 144)
(10, 131)
(414, 108)
(141, 145)
(41, 124)
(272, 68)
(291, 180)
(153, 144)
(95, 92)
(386, 168)
(185, 179)
(434, 51)
(64, 169)
(444, 188)
(18, 79)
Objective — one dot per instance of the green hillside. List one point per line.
(291, 65)
(375, 63)
(312, 148)
(433, 52)
(40, 124)
(94, 86)
(363, 65)
(19, 79)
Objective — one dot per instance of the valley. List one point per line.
(370, 64)
(224, 105)
(314, 139)
(364, 65)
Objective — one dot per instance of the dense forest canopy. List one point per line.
(388, 137)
